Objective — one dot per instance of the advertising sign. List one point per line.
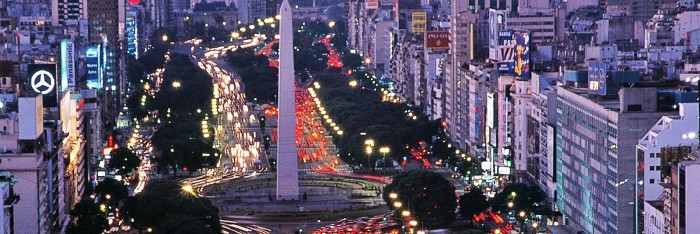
(94, 73)
(514, 53)
(67, 64)
(42, 81)
(490, 109)
(506, 45)
(497, 21)
(419, 22)
(437, 39)
(371, 4)
(597, 77)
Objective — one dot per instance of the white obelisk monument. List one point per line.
(287, 163)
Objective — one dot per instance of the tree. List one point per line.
(116, 190)
(473, 202)
(430, 197)
(123, 161)
(523, 197)
(165, 207)
(89, 218)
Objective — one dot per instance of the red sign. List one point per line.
(134, 2)
(437, 39)
(371, 4)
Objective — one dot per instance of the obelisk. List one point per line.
(287, 163)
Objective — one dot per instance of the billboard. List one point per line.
(437, 40)
(371, 4)
(597, 77)
(42, 81)
(67, 64)
(419, 22)
(497, 21)
(94, 68)
(514, 53)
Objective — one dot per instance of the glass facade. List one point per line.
(586, 162)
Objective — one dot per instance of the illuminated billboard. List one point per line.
(437, 40)
(94, 67)
(597, 77)
(514, 53)
(42, 81)
(419, 22)
(67, 64)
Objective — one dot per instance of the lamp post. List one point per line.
(384, 150)
(369, 143)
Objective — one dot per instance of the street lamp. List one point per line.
(397, 204)
(176, 84)
(393, 195)
(522, 214)
(353, 83)
(510, 204)
(165, 38)
(187, 188)
(368, 150)
(405, 213)
(369, 143)
(384, 150)
(413, 223)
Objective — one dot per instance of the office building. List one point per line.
(596, 153)
(68, 12)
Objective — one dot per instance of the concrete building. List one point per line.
(639, 10)
(541, 132)
(10, 199)
(68, 12)
(251, 10)
(680, 206)
(688, 204)
(106, 19)
(462, 20)
(541, 28)
(595, 162)
(658, 31)
(287, 164)
(383, 42)
(685, 23)
(28, 155)
(653, 150)
(92, 132)
(654, 217)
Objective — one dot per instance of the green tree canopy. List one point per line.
(89, 218)
(524, 198)
(430, 197)
(473, 202)
(166, 208)
(123, 161)
(116, 190)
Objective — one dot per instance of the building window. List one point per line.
(651, 181)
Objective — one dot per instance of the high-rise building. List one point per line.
(32, 146)
(251, 10)
(670, 140)
(68, 12)
(103, 19)
(460, 52)
(596, 153)
(10, 199)
(681, 206)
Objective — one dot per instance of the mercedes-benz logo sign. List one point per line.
(43, 79)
